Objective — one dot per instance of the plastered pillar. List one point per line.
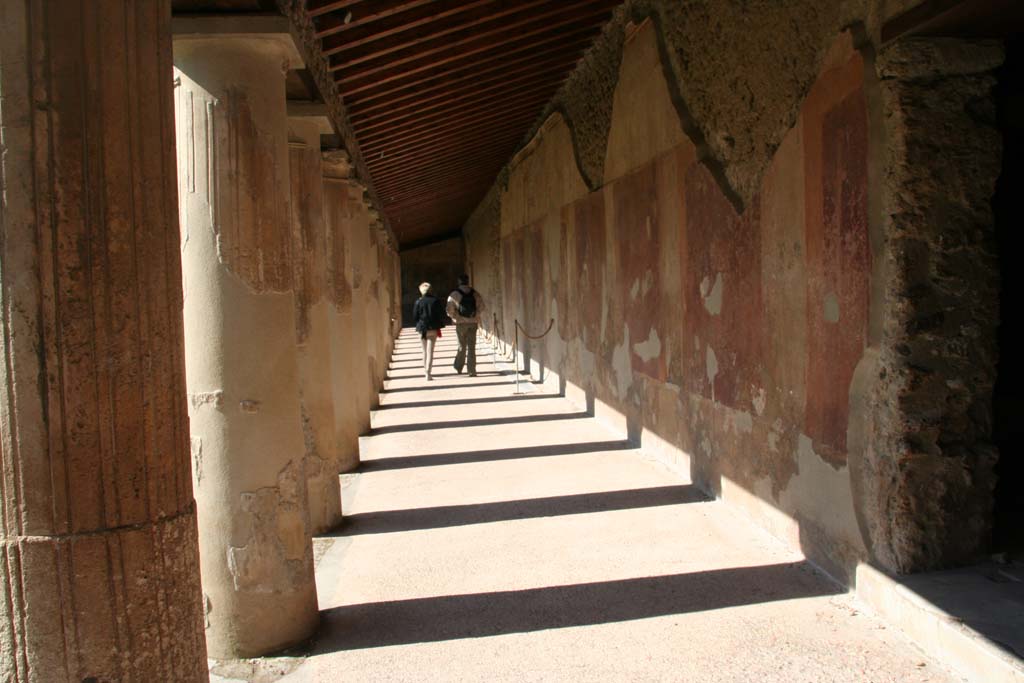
(313, 326)
(240, 330)
(364, 308)
(98, 549)
(342, 205)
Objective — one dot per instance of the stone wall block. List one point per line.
(932, 456)
(98, 546)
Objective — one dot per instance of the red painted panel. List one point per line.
(721, 244)
(839, 262)
(590, 266)
(637, 239)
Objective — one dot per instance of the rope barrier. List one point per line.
(539, 336)
(515, 347)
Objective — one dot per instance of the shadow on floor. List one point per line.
(466, 401)
(460, 458)
(449, 372)
(474, 385)
(415, 519)
(450, 617)
(477, 422)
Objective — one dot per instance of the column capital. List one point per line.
(312, 112)
(221, 30)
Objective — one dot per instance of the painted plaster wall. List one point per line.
(727, 341)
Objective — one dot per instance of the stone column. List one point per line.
(313, 328)
(100, 577)
(240, 341)
(375, 308)
(358, 233)
(348, 366)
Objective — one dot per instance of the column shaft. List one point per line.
(100, 567)
(313, 329)
(348, 367)
(240, 342)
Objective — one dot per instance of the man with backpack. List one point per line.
(464, 308)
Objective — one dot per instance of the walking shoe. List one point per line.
(472, 374)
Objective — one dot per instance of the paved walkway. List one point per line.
(491, 537)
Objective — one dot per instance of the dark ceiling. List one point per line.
(441, 92)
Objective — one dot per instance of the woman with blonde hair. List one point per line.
(428, 314)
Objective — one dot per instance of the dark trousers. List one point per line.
(466, 355)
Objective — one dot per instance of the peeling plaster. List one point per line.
(831, 308)
(711, 360)
(622, 366)
(196, 444)
(821, 491)
(712, 294)
(206, 398)
(249, 406)
(760, 399)
(650, 349)
(742, 421)
(274, 551)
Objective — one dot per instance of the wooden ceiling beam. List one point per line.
(523, 63)
(528, 18)
(317, 8)
(472, 132)
(440, 150)
(515, 87)
(447, 168)
(472, 59)
(393, 35)
(557, 67)
(334, 22)
(396, 178)
(436, 196)
(384, 130)
(460, 178)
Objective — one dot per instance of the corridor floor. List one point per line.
(492, 537)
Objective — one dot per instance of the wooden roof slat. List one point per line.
(319, 7)
(463, 142)
(469, 132)
(386, 130)
(334, 22)
(440, 93)
(400, 178)
(470, 87)
(518, 87)
(491, 54)
(469, 156)
(518, 64)
(374, 39)
(470, 48)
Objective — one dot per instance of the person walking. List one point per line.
(464, 308)
(428, 315)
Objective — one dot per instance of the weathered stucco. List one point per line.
(241, 342)
(725, 291)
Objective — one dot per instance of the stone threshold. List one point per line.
(970, 618)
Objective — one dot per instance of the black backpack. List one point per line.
(467, 304)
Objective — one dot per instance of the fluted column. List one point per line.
(240, 331)
(313, 330)
(100, 566)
